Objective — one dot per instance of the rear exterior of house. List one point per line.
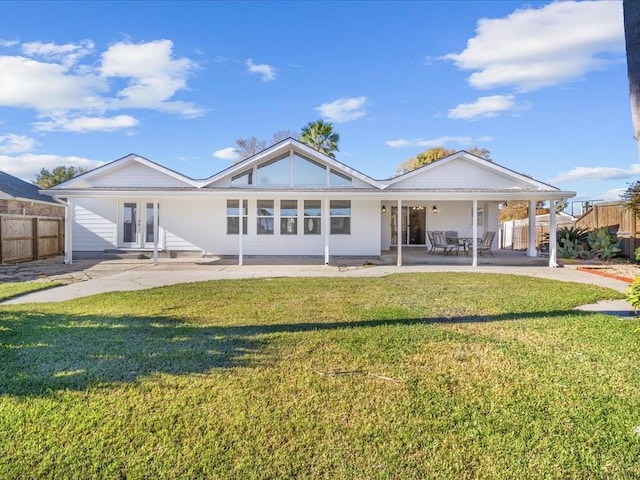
(288, 200)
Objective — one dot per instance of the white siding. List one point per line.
(135, 175)
(460, 173)
(363, 240)
(188, 223)
(94, 227)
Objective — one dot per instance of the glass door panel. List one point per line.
(149, 234)
(130, 223)
(413, 226)
(417, 224)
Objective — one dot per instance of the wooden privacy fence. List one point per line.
(619, 220)
(24, 238)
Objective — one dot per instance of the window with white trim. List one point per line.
(233, 217)
(340, 216)
(265, 216)
(312, 217)
(288, 217)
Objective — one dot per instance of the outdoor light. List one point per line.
(434, 210)
(384, 209)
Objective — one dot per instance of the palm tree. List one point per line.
(632, 40)
(320, 136)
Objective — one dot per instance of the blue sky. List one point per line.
(541, 85)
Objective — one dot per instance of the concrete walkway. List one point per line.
(90, 277)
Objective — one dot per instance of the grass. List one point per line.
(10, 290)
(433, 375)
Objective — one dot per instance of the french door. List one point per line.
(137, 224)
(414, 221)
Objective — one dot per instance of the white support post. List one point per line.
(241, 230)
(156, 233)
(553, 245)
(531, 248)
(68, 232)
(327, 230)
(399, 232)
(474, 214)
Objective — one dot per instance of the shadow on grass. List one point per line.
(43, 353)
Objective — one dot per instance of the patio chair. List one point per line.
(484, 244)
(452, 239)
(440, 241)
(430, 236)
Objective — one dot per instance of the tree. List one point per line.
(320, 136)
(631, 197)
(247, 147)
(47, 179)
(631, 9)
(430, 155)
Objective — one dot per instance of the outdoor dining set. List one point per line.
(449, 241)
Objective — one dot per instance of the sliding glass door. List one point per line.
(414, 222)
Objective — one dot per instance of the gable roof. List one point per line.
(283, 147)
(130, 159)
(531, 183)
(21, 190)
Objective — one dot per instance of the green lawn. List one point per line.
(9, 290)
(439, 375)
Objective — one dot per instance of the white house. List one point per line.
(290, 200)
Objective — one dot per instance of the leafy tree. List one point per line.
(631, 9)
(430, 155)
(247, 147)
(518, 209)
(47, 179)
(320, 136)
(631, 197)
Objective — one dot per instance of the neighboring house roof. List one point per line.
(18, 189)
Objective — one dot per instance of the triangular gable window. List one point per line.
(291, 170)
(308, 172)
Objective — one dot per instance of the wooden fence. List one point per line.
(618, 220)
(24, 238)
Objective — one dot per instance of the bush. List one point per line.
(572, 243)
(633, 294)
(603, 244)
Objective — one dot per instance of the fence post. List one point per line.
(35, 237)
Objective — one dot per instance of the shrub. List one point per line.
(603, 244)
(633, 294)
(572, 243)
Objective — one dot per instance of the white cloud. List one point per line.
(483, 107)
(437, 142)
(152, 73)
(228, 153)
(69, 82)
(595, 173)
(27, 166)
(267, 72)
(343, 109)
(68, 54)
(12, 143)
(612, 195)
(87, 124)
(539, 47)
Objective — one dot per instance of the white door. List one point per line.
(137, 225)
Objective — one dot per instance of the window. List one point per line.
(233, 214)
(312, 217)
(149, 236)
(275, 172)
(338, 179)
(480, 216)
(340, 215)
(308, 172)
(265, 217)
(245, 178)
(288, 217)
